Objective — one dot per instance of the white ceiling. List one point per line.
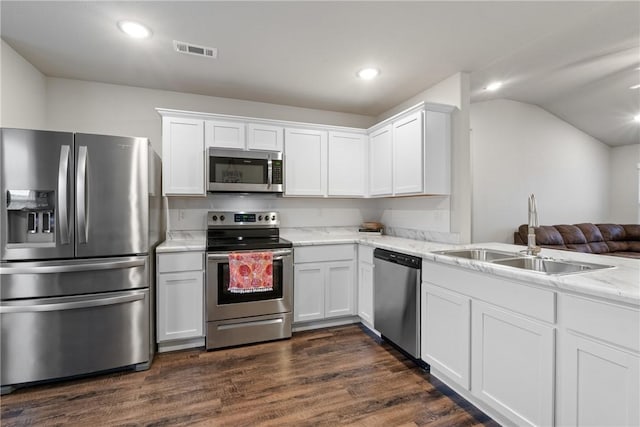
(575, 59)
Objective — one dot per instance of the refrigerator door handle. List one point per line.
(72, 268)
(74, 303)
(81, 196)
(63, 186)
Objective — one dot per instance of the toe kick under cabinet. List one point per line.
(180, 300)
(528, 355)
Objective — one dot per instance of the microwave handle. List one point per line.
(269, 173)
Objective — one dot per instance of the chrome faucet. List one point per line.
(532, 249)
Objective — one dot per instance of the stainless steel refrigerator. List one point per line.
(80, 218)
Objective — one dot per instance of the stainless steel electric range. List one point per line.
(243, 316)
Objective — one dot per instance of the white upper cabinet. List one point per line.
(347, 164)
(305, 162)
(219, 134)
(183, 157)
(407, 155)
(264, 137)
(381, 162)
(437, 156)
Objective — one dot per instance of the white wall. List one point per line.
(518, 149)
(625, 177)
(125, 110)
(22, 91)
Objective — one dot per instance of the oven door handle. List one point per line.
(277, 255)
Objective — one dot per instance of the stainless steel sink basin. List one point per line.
(549, 266)
(518, 260)
(478, 254)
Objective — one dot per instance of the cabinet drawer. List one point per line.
(182, 261)
(609, 322)
(324, 253)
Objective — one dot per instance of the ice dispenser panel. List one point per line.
(30, 216)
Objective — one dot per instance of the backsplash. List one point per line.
(419, 218)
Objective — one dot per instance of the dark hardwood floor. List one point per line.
(334, 376)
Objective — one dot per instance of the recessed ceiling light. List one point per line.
(493, 86)
(368, 73)
(637, 118)
(635, 87)
(134, 29)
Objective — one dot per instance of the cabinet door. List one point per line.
(264, 137)
(219, 134)
(180, 305)
(407, 155)
(346, 163)
(339, 289)
(381, 162)
(437, 156)
(365, 292)
(305, 162)
(308, 293)
(183, 157)
(599, 384)
(446, 332)
(512, 365)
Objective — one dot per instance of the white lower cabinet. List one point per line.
(365, 284)
(599, 367)
(600, 384)
(529, 356)
(180, 300)
(446, 348)
(324, 282)
(513, 364)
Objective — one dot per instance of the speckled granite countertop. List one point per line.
(621, 283)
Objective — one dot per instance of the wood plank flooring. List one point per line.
(336, 376)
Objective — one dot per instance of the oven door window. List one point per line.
(226, 297)
(235, 170)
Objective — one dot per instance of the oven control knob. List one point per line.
(221, 217)
(273, 218)
(260, 218)
(215, 217)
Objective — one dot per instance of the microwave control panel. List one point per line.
(276, 172)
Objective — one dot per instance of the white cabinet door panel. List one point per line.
(599, 384)
(265, 137)
(381, 162)
(339, 290)
(308, 294)
(446, 332)
(180, 305)
(365, 292)
(347, 161)
(513, 365)
(183, 156)
(220, 134)
(408, 175)
(305, 162)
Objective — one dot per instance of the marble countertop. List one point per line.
(621, 283)
(182, 241)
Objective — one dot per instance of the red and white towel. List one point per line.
(250, 272)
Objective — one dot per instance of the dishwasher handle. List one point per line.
(398, 258)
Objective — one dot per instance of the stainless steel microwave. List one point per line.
(245, 171)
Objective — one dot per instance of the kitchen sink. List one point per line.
(550, 266)
(478, 254)
(518, 260)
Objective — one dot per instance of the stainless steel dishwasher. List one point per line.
(396, 299)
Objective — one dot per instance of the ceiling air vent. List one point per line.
(192, 49)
